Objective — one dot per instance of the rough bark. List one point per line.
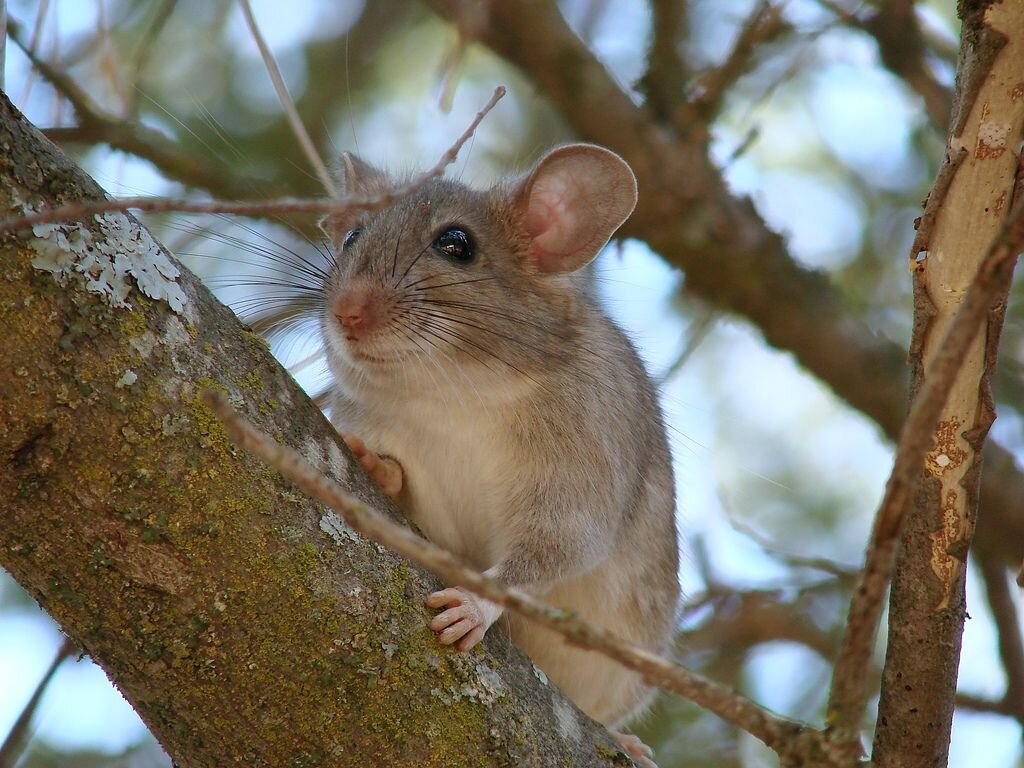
(927, 605)
(243, 622)
(728, 254)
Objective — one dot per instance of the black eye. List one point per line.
(350, 237)
(455, 244)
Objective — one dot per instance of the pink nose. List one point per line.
(352, 320)
(352, 309)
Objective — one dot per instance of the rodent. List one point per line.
(484, 388)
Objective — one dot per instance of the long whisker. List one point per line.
(420, 312)
(295, 254)
(407, 286)
(436, 330)
(457, 282)
(412, 264)
(485, 310)
(466, 340)
(310, 270)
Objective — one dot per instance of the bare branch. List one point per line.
(266, 208)
(143, 50)
(742, 619)
(664, 82)
(764, 23)
(989, 706)
(286, 102)
(1007, 621)
(848, 695)
(96, 125)
(17, 737)
(787, 737)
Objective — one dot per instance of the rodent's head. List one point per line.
(451, 282)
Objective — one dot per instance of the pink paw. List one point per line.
(636, 749)
(384, 471)
(465, 620)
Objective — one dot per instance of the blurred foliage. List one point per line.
(835, 151)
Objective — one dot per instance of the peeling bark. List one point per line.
(927, 604)
(243, 624)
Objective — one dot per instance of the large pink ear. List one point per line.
(572, 202)
(356, 179)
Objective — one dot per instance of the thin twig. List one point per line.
(841, 572)
(143, 50)
(33, 46)
(60, 80)
(989, 706)
(95, 125)
(286, 102)
(16, 739)
(695, 335)
(1007, 621)
(779, 733)
(764, 23)
(277, 206)
(849, 695)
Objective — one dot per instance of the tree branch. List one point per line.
(960, 291)
(18, 737)
(791, 740)
(664, 82)
(1008, 628)
(764, 23)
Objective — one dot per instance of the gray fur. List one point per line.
(529, 434)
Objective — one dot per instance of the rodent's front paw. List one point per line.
(466, 618)
(383, 470)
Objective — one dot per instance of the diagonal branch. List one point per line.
(849, 697)
(287, 104)
(764, 23)
(789, 738)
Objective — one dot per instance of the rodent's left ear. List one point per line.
(356, 178)
(572, 202)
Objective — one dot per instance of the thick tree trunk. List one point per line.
(245, 624)
(927, 607)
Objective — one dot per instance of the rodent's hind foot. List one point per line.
(642, 754)
(383, 470)
(465, 620)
